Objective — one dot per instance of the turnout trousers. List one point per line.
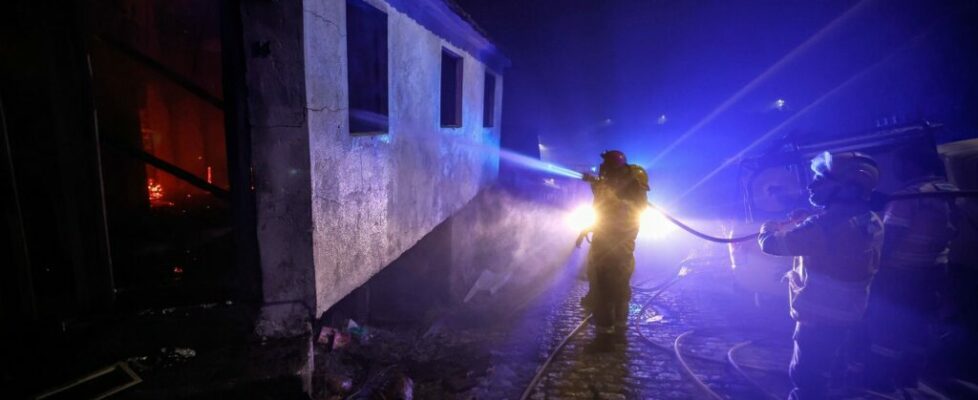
(816, 351)
(611, 262)
(904, 308)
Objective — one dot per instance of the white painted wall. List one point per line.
(373, 197)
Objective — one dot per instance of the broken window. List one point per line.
(366, 54)
(489, 101)
(451, 89)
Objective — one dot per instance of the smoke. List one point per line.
(511, 243)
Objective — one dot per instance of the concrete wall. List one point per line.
(374, 197)
(276, 99)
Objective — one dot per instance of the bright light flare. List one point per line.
(581, 218)
(654, 225)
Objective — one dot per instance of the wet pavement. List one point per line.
(644, 365)
(494, 346)
(463, 357)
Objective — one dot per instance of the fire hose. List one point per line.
(681, 356)
(878, 198)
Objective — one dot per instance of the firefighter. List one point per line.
(837, 253)
(906, 296)
(619, 200)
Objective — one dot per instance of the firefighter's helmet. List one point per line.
(614, 158)
(854, 168)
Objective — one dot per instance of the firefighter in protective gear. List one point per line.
(906, 294)
(837, 253)
(619, 200)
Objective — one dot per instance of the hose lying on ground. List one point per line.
(689, 372)
(543, 368)
(733, 363)
(659, 288)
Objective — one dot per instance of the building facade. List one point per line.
(273, 153)
(391, 136)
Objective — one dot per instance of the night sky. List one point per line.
(593, 75)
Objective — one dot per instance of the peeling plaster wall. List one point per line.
(373, 197)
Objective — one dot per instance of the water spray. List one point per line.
(538, 165)
(583, 217)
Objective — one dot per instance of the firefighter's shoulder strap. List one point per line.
(639, 174)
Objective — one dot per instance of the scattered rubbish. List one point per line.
(326, 336)
(167, 357)
(654, 318)
(141, 363)
(185, 310)
(339, 384)
(358, 332)
(185, 352)
(400, 388)
(334, 339)
(341, 340)
(118, 375)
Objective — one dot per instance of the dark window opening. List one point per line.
(451, 89)
(366, 49)
(156, 82)
(489, 101)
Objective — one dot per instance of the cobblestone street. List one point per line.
(645, 365)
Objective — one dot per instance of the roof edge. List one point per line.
(448, 21)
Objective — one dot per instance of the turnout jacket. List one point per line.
(619, 202)
(837, 253)
(929, 226)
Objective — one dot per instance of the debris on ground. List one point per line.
(400, 363)
(341, 340)
(399, 387)
(325, 337)
(184, 352)
(339, 384)
(167, 357)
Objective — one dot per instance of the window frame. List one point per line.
(489, 100)
(378, 85)
(456, 120)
